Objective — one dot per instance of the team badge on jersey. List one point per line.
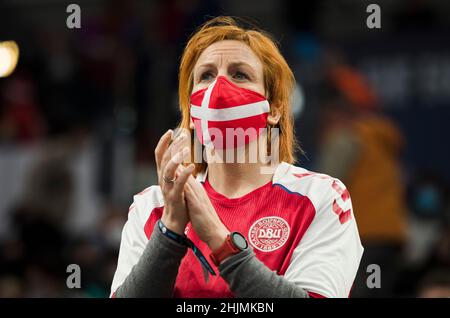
(269, 233)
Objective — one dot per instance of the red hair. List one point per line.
(278, 77)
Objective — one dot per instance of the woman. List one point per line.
(226, 228)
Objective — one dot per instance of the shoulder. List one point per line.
(321, 189)
(146, 201)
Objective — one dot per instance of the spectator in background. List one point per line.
(20, 117)
(428, 207)
(32, 260)
(362, 148)
(427, 256)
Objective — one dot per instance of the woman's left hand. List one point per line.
(203, 216)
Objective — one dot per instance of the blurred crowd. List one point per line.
(82, 113)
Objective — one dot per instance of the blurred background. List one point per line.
(81, 115)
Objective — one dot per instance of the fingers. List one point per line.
(194, 184)
(162, 146)
(189, 196)
(182, 178)
(172, 150)
(173, 163)
(190, 181)
(190, 188)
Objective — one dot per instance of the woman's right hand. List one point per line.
(169, 157)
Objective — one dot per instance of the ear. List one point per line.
(191, 123)
(274, 116)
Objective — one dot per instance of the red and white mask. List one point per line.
(228, 116)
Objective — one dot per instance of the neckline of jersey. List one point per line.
(280, 170)
(224, 200)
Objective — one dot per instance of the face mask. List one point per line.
(228, 116)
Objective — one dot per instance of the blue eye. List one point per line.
(240, 76)
(206, 76)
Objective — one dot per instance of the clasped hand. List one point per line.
(185, 199)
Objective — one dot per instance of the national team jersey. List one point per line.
(300, 225)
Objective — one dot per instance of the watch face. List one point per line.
(239, 240)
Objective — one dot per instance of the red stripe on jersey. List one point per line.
(301, 175)
(307, 174)
(155, 215)
(345, 195)
(343, 216)
(314, 295)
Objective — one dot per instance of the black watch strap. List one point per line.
(184, 240)
(181, 239)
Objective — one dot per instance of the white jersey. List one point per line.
(300, 225)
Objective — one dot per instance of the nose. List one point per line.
(223, 72)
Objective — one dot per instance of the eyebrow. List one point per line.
(234, 64)
(251, 71)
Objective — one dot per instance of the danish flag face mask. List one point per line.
(228, 116)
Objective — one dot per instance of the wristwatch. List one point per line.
(234, 243)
